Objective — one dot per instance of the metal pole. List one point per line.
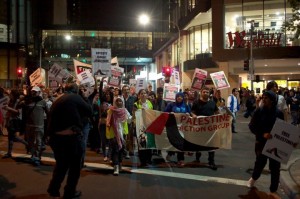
(251, 54)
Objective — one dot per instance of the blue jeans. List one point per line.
(233, 122)
(85, 136)
(35, 137)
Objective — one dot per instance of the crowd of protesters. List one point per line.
(110, 127)
(288, 101)
(29, 122)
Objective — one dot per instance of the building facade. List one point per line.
(219, 39)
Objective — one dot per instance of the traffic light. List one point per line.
(246, 65)
(167, 71)
(19, 72)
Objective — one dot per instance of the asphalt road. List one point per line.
(19, 179)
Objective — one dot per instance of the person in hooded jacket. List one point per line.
(261, 125)
(179, 106)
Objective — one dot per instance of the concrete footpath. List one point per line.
(290, 175)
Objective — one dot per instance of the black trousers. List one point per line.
(260, 163)
(68, 153)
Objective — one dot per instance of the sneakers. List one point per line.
(168, 158)
(250, 183)
(105, 159)
(127, 155)
(116, 170)
(213, 166)
(36, 163)
(180, 164)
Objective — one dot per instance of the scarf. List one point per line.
(118, 115)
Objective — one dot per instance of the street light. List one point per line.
(144, 20)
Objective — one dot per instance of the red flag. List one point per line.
(157, 126)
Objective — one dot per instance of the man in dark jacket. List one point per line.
(66, 140)
(261, 125)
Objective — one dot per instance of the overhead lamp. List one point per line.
(68, 37)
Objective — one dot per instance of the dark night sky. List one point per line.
(119, 12)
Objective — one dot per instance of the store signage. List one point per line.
(242, 39)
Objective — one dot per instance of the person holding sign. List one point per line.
(261, 125)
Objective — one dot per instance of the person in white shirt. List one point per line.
(281, 102)
(233, 106)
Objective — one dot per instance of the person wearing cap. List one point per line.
(35, 108)
(261, 125)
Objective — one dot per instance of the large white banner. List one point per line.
(285, 138)
(181, 132)
(101, 61)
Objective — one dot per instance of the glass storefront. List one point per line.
(266, 17)
(85, 40)
(199, 40)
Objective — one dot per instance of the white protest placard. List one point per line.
(140, 84)
(176, 77)
(199, 79)
(170, 91)
(285, 138)
(88, 88)
(114, 62)
(116, 76)
(132, 82)
(101, 61)
(57, 75)
(86, 77)
(36, 77)
(79, 67)
(220, 81)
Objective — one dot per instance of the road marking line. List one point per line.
(151, 171)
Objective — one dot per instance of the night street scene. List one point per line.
(150, 99)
